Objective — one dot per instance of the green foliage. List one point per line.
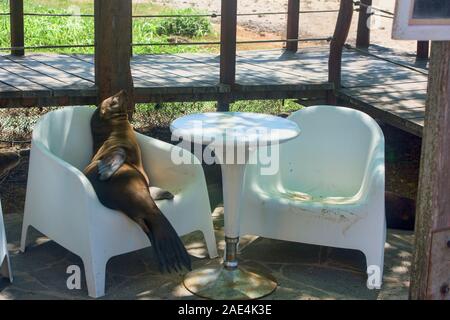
(75, 30)
(192, 27)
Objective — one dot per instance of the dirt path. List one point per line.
(312, 25)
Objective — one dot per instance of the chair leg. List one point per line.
(95, 272)
(5, 269)
(23, 239)
(375, 266)
(210, 239)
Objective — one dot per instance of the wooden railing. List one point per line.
(366, 10)
(112, 57)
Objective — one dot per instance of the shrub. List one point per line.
(191, 27)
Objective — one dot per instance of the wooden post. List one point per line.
(227, 49)
(293, 21)
(423, 49)
(363, 33)
(341, 31)
(17, 27)
(113, 23)
(430, 274)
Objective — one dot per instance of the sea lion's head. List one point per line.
(115, 106)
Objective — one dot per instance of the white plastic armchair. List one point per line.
(62, 204)
(5, 265)
(329, 189)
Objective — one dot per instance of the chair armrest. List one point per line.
(162, 171)
(59, 196)
(373, 185)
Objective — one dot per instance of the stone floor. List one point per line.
(303, 271)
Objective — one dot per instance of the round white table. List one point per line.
(233, 136)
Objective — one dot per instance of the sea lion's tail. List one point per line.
(170, 251)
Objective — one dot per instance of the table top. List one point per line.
(234, 128)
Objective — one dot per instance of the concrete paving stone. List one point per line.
(15, 294)
(276, 251)
(148, 287)
(38, 256)
(331, 283)
(302, 271)
(346, 259)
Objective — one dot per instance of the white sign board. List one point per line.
(422, 20)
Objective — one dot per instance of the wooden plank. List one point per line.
(179, 67)
(146, 71)
(66, 80)
(39, 79)
(262, 74)
(7, 91)
(381, 88)
(412, 126)
(14, 76)
(363, 80)
(381, 97)
(68, 64)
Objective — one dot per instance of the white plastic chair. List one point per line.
(329, 189)
(62, 204)
(5, 265)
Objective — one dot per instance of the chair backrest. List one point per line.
(330, 157)
(66, 133)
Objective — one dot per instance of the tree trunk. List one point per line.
(430, 275)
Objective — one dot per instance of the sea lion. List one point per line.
(118, 177)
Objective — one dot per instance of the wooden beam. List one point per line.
(430, 276)
(363, 33)
(113, 25)
(227, 48)
(423, 50)
(293, 21)
(17, 27)
(341, 31)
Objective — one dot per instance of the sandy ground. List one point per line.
(311, 25)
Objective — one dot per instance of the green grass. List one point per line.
(162, 114)
(45, 31)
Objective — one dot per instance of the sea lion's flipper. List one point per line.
(160, 194)
(170, 251)
(111, 163)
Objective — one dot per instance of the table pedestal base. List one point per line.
(220, 283)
